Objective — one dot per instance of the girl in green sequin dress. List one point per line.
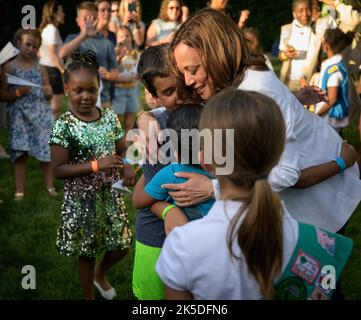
(87, 146)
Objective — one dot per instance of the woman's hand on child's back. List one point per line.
(128, 175)
(198, 188)
(174, 218)
(110, 162)
(348, 154)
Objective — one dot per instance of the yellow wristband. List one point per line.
(165, 211)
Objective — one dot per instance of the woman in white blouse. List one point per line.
(53, 17)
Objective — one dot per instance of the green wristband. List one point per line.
(165, 211)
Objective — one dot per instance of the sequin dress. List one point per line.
(93, 216)
(29, 118)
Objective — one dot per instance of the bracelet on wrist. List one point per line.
(165, 211)
(95, 166)
(341, 163)
(18, 93)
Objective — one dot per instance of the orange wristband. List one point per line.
(18, 93)
(95, 167)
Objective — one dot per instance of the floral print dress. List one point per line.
(29, 118)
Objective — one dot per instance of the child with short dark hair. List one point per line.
(155, 73)
(181, 121)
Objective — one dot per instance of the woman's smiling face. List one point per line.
(190, 64)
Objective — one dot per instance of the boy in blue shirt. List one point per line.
(185, 117)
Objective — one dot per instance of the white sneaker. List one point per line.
(106, 294)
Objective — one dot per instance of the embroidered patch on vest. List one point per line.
(291, 288)
(306, 267)
(326, 242)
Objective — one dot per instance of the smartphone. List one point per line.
(132, 7)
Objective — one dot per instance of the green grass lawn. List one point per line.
(28, 231)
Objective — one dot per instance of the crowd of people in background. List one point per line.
(189, 67)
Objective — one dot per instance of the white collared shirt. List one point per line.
(196, 258)
(300, 40)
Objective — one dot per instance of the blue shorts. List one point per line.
(126, 100)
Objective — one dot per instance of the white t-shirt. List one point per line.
(300, 39)
(50, 36)
(333, 81)
(195, 257)
(309, 141)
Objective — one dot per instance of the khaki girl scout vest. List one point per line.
(318, 30)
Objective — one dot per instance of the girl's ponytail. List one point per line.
(260, 236)
(259, 136)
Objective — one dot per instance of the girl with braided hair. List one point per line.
(87, 147)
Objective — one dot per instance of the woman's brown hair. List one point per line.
(49, 11)
(164, 8)
(222, 46)
(259, 136)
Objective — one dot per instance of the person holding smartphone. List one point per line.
(130, 14)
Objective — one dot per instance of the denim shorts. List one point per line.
(126, 100)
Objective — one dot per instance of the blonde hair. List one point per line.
(259, 137)
(164, 8)
(87, 5)
(222, 46)
(31, 32)
(123, 8)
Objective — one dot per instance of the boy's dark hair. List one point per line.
(154, 62)
(186, 117)
(82, 60)
(338, 40)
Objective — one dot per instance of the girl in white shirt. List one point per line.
(335, 79)
(245, 243)
(53, 17)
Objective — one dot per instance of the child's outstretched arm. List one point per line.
(63, 170)
(317, 174)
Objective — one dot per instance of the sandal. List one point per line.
(52, 192)
(18, 196)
